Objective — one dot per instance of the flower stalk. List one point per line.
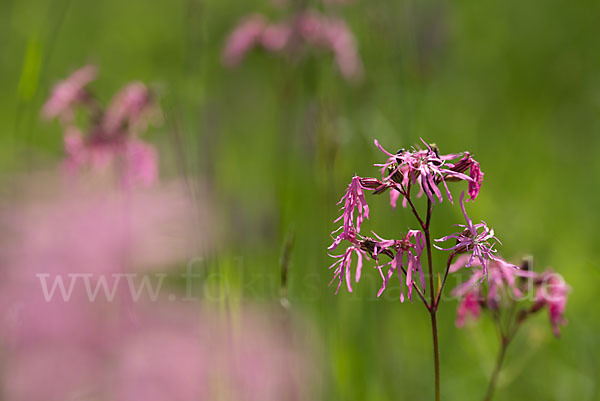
(426, 172)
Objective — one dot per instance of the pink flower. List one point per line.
(412, 265)
(275, 37)
(502, 279)
(139, 163)
(342, 266)
(306, 27)
(341, 41)
(243, 38)
(477, 176)
(474, 239)
(135, 162)
(552, 294)
(469, 305)
(68, 93)
(354, 198)
(110, 141)
(425, 167)
(57, 349)
(129, 109)
(475, 173)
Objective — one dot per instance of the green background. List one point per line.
(275, 142)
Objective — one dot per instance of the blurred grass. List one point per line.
(516, 83)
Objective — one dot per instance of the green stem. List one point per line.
(497, 368)
(432, 305)
(505, 340)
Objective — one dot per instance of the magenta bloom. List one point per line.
(412, 264)
(469, 305)
(502, 279)
(68, 93)
(552, 293)
(342, 266)
(425, 167)
(354, 198)
(474, 239)
(477, 176)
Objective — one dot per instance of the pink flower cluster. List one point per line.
(400, 172)
(427, 168)
(494, 285)
(307, 27)
(111, 138)
(508, 285)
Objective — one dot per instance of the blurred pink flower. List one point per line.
(68, 93)
(110, 141)
(468, 305)
(275, 37)
(306, 27)
(340, 40)
(243, 38)
(129, 109)
(502, 277)
(122, 349)
(552, 293)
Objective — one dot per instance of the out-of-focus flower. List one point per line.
(506, 285)
(333, 34)
(475, 239)
(69, 93)
(501, 279)
(306, 27)
(275, 37)
(129, 110)
(243, 38)
(94, 347)
(468, 305)
(552, 293)
(61, 301)
(111, 141)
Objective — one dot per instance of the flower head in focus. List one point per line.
(407, 259)
(427, 168)
(476, 239)
(353, 199)
(343, 264)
